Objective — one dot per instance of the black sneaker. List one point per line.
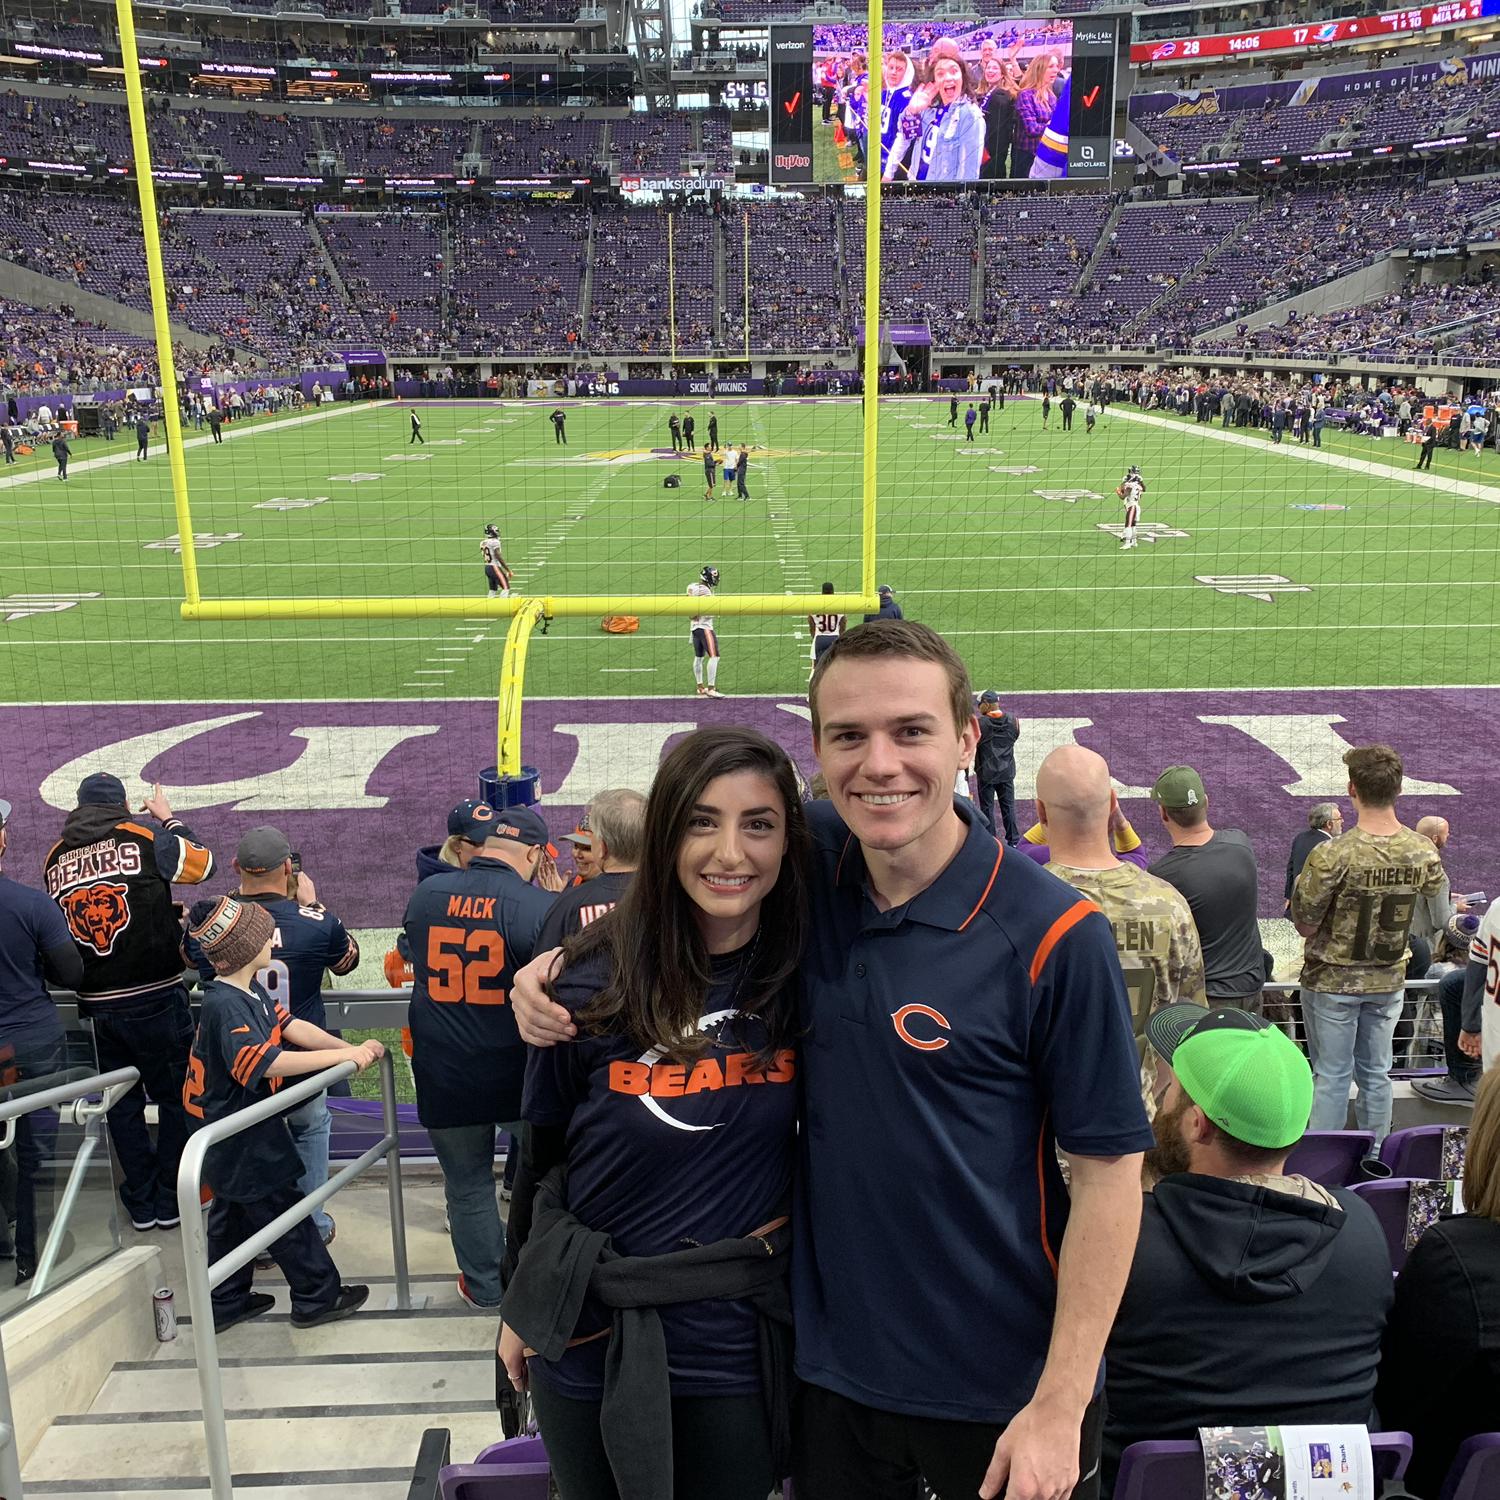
(349, 1300)
(255, 1304)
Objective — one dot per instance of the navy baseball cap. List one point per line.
(989, 695)
(522, 826)
(472, 820)
(101, 790)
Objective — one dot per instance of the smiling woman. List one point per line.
(648, 1128)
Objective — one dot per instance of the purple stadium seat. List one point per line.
(1414, 1152)
(516, 1469)
(516, 1450)
(1475, 1474)
(1331, 1157)
(1174, 1471)
(495, 1482)
(1391, 1200)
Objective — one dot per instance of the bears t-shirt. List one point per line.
(663, 1155)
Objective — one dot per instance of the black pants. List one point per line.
(721, 1447)
(62, 468)
(562, 436)
(1424, 459)
(1003, 792)
(300, 1253)
(153, 1035)
(140, 447)
(416, 437)
(984, 421)
(843, 1450)
(217, 429)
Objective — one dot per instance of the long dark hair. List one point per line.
(660, 971)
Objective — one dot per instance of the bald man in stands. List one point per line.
(1154, 932)
(1434, 913)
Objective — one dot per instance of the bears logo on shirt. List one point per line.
(923, 1014)
(652, 1080)
(97, 914)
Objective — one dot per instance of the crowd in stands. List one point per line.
(1220, 1250)
(1206, 125)
(1398, 326)
(999, 270)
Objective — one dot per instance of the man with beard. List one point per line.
(1242, 1273)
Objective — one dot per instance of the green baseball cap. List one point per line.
(1179, 786)
(1246, 1075)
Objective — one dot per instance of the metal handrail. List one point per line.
(202, 1278)
(111, 1087)
(20, 1100)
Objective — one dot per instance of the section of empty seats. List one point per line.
(639, 299)
(517, 274)
(927, 252)
(792, 248)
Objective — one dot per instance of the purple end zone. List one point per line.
(358, 787)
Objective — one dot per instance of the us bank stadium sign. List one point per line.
(633, 182)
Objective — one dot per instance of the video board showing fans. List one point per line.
(957, 101)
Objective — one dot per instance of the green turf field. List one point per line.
(1398, 585)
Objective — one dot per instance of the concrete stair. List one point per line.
(334, 1413)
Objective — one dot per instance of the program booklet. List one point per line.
(1287, 1463)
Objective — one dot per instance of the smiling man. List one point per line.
(965, 1018)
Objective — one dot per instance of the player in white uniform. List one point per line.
(705, 642)
(1130, 490)
(496, 570)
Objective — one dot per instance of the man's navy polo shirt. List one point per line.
(951, 1043)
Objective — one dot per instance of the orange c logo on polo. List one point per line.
(899, 1019)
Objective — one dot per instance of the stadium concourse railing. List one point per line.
(202, 1277)
(23, 1099)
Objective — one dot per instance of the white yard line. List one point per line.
(1422, 479)
(231, 434)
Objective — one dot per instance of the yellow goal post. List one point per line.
(525, 612)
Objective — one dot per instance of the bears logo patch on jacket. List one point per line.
(97, 914)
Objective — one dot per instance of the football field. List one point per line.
(1259, 566)
(1284, 603)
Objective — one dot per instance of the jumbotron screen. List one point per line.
(957, 101)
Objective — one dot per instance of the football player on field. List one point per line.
(705, 641)
(496, 570)
(1130, 489)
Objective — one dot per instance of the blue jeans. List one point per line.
(35, 1144)
(1351, 1036)
(466, 1154)
(311, 1125)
